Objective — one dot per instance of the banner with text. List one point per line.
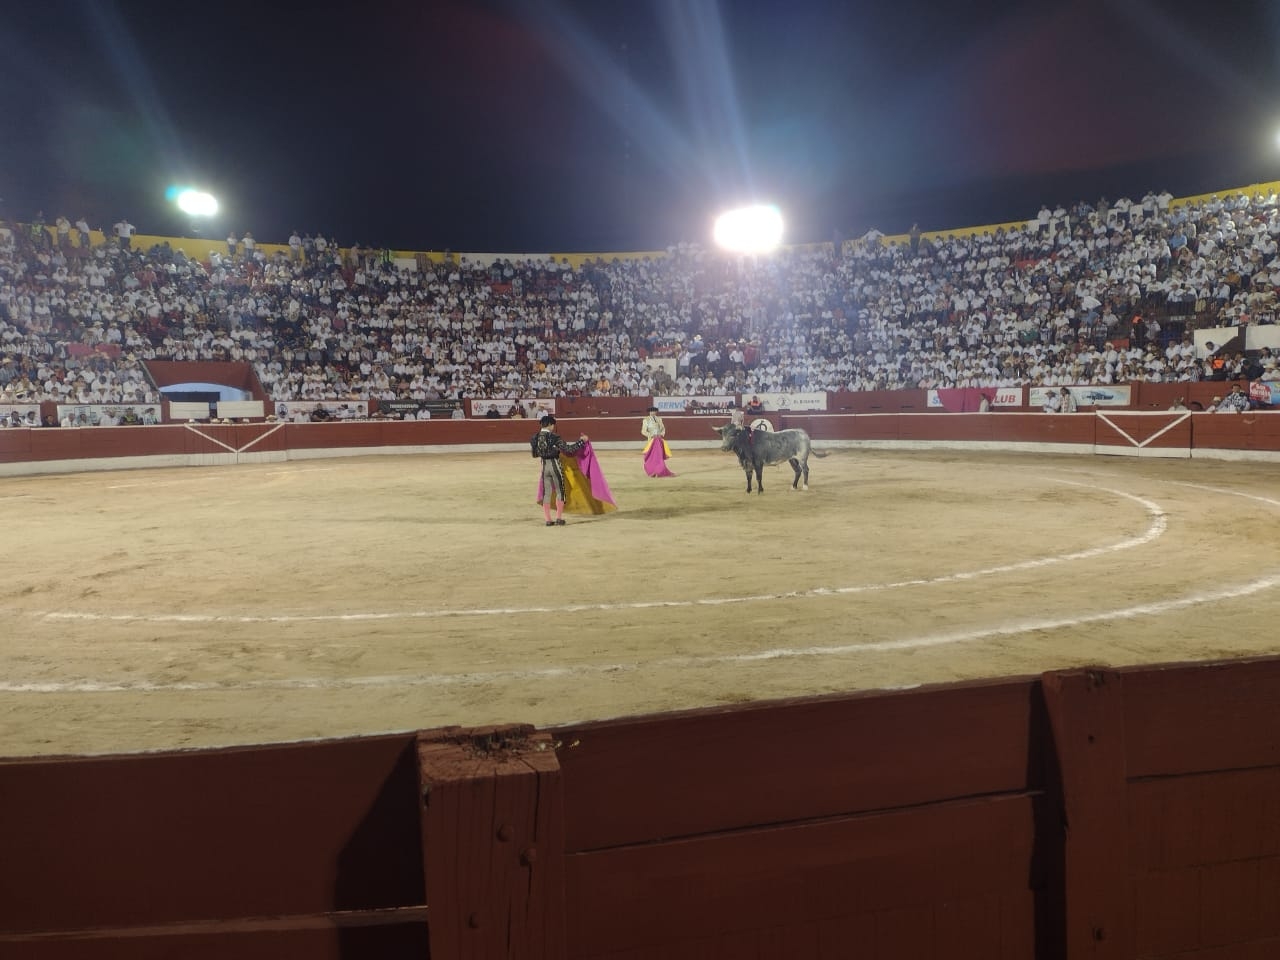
(969, 399)
(793, 401)
(1264, 392)
(1102, 396)
(698, 406)
(1085, 396)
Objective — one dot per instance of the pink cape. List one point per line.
(586, 489)
(590, 468)
(655, 458)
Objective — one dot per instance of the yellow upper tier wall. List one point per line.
(200, 249)
(1264, 188)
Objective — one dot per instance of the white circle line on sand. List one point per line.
(553, 673)
(206, 478)
(1158, 525)
(1229, 493)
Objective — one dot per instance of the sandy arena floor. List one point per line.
(209, 606)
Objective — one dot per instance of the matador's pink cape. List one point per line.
(586, 491)
(656, 453)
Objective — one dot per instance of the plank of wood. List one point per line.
(298, 829)
(1086, 712)
(1189, 718)
(493, 843)
(683, 774)
(1204, 818)
(815, 873)
(401, 936)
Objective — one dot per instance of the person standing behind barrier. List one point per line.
(1068, 402)
(1237, 401)
(656, 451)
(124, 233)
(547, 447)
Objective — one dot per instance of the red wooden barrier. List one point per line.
(1106, 431)
(1122, 814)
(312, 847)
(493, 842)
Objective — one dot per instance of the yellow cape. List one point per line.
(577, 491)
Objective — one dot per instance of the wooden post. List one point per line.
(493, 843)
(1085, 710)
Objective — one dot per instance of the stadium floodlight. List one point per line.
(749, 230)
(197, 203)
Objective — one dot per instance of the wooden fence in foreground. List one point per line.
(1129, 813)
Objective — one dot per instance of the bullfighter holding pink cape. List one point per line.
(656, 450)
(571, 477)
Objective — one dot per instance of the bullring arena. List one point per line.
(168, 608)
(1000, 683)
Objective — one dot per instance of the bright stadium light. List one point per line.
(197, 203)
(755, 229)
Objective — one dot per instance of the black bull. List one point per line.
(757, 449)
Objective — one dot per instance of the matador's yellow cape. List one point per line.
(585, 489)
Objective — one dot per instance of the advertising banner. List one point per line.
(938, 399)
(1097, 396)
(399, 409)
(969, 399)
(698, 406)
(1086, 396)
(794, 401)
(1264, 392)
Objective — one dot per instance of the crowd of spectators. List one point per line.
(1099, 293)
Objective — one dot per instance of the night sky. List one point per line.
(517, 125)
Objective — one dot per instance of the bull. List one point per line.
(757, 449)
